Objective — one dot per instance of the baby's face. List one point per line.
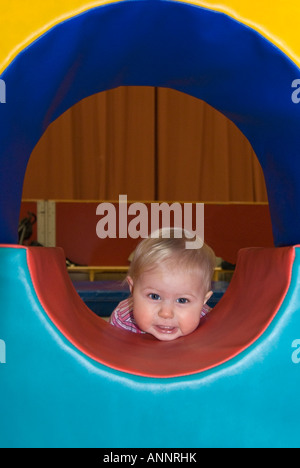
(167, 303)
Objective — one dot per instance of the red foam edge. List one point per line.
(254, 296)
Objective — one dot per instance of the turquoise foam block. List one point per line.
(52, 395)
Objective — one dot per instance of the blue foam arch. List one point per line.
(157, 43)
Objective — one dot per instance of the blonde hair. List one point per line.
(159, 249)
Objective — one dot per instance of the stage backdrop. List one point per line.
(148, 143)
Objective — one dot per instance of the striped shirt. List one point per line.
(122, 316)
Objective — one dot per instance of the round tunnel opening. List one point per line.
(190, 110)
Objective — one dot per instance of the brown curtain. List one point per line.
(202, 155)
(147, 143)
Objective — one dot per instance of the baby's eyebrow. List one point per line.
(187, 295)
(184, 296)
(149, 288)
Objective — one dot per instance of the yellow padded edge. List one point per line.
(21, 22)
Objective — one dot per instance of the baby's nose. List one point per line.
(166, 311)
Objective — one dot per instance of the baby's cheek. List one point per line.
(142, 316)
(189, 323)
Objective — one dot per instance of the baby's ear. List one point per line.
(130, 283)
(208, 296)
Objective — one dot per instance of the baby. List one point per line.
(169, 287)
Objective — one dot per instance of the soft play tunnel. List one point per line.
(69, 378)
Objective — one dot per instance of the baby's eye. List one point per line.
(182, 300)
(154, 297)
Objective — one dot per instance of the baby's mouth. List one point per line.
(165, 329)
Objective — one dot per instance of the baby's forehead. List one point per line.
(171, 272)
